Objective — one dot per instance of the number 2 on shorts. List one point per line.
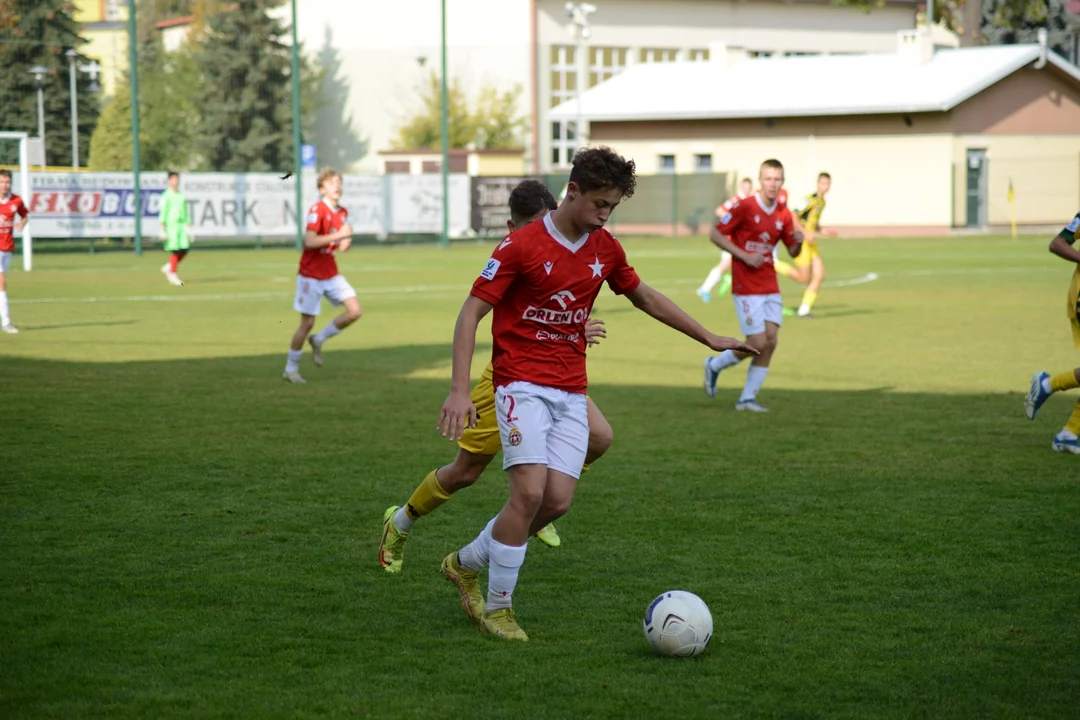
(510, 410)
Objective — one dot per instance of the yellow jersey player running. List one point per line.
(1043, 385)
(529, 202)
(809, 268)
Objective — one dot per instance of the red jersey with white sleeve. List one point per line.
(757, 229)
(10, 206)
(543, 287)
(322, 219)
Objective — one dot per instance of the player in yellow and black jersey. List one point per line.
(809, 268)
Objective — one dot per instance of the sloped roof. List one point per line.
(803, 86)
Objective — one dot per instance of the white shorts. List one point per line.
(310, 292)
(5, 260)
(756, 310)
(543, 426)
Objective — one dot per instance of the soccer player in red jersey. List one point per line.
(541, 282)
(750, 231)
(327, 233)
(11, 207)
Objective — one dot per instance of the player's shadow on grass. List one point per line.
(103, 323)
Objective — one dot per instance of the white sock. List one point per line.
(755, 378)
(725, 359)
(1066, 435)
(506, 562)
(804, 310)
(293, 364)
(476, 554)
(327, 332)
(402, 521)
(1045, 381)
(712, 279)
(5, 317)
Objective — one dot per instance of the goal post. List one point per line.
(24, 191)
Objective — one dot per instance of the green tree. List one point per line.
(40, 32)
(245, 96)
(1006, 22)
(491, 122)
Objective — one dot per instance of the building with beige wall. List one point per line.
(922, 137)
(104, 25)
(381, 52)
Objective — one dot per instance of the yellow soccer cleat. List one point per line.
(392, 547)
(549, 536)
(468, 585)
(502, 622)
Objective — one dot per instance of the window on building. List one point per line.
(760, 54)
(703, 163)
(564, 87)
(697, 54)
(657, 55)
(606, 62)
(667, 163)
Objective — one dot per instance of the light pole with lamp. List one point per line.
(579, 17)
(92, 69)
(39, 73)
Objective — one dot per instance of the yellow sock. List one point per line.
(1073, 425)
(584, 467)
(809, 298)
(1064, 381)
(427, 496)
(783, 268)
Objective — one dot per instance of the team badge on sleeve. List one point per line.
(1074, 225)
(726, 218)
(490, 269)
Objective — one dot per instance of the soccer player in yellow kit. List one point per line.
(1043, 385)
(529, 202)
(809, 268)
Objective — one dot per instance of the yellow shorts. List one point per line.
(1072, 307)
(809, 252)
(484, 438)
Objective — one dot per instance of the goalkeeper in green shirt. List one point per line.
(175, 222)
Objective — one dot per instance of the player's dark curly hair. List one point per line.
(601, 168)
(528, 199)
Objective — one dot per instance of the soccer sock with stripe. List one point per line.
(1064, 381)
(506, 562)
(475, 555)
(293, 363)
(427, 496)
(5, 312)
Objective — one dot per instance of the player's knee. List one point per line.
(527, 498)
(555, 507)
(355, 313)
(600, 438)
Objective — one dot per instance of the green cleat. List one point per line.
(392, 547)
(502, 623)
(468, 585)
(549, 536)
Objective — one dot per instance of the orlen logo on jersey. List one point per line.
(563, 316)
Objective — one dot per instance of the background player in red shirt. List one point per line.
(750, 231)
(541, 282)
(327, 233)
(11, 206)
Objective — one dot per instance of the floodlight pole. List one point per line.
(136, 154)
(72, 56)
(297, 169)
(444, 128)
(579, 17)
(39, 83)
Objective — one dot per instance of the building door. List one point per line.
(977, 173)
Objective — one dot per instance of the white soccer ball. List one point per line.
(678, 623)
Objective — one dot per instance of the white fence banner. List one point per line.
(224, 205)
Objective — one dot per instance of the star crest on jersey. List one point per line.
(597, 267)
(757, 218)
(506, 241)
(547, 266)
(779, 224)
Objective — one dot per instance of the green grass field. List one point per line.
(182, 534)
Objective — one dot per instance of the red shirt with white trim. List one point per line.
(10, 206)
(322, 219)
(757, 229)
(543, 288)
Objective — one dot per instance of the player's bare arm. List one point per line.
(725, 243)
(313, 240)
(1061, 247)
(458, 412)
(660, 306)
